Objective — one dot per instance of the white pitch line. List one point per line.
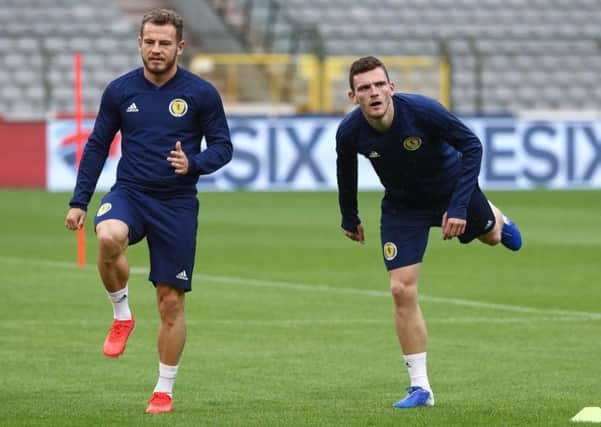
(306, 287)
(374, 293)
(19, 323)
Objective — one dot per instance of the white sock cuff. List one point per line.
(167, 371)
(116, 296)
(414, 357)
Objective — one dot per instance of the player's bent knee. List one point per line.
(112, 236)
(109, 244)
(403, 291)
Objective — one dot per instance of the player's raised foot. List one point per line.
(416, 396)
(159, 403)
(511, 237)
(116, 340)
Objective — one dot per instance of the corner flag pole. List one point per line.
(81, 235)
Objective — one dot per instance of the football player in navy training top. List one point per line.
(163, 112)
(428, 162)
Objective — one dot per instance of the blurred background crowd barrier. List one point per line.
(477, 56)
(526, 59)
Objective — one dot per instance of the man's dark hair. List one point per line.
(164, 17)
(363, 65)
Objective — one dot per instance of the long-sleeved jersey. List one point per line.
(427, 157)
(152, 119)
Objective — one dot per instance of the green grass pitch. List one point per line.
(289, 323)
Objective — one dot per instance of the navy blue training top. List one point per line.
(427, 157)
(151, 119)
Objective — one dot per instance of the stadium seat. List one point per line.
(520, 44)
(532, 36)
(37, 42)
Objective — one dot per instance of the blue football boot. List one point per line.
(511, 237)
(416, 396)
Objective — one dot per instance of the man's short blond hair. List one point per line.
(164, 17)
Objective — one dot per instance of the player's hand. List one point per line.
(178, 159)
(357, 236)
(75, 218)
(452, 227)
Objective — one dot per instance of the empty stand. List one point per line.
(507, 55)
(38, 39)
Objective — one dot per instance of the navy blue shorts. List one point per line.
(169, 225)
(404, 230)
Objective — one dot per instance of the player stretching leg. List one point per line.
(428, 162)
(163, 113)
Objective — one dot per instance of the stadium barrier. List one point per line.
(305, 84)
(22, 154)
(298, 153)
(426, 75)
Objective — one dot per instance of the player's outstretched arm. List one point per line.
(75, 218)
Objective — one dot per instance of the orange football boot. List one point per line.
(114, 344)
(159, 403)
